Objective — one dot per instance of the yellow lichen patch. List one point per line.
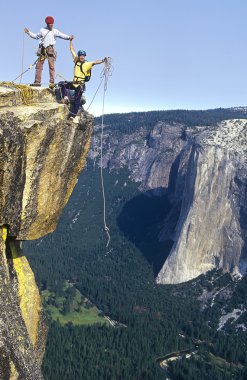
(4, 233)
(13, 375)
(25, 91)
(50, 184)
(30, 302)
(12, 94)
(80, 165)
(53, 174)
(61, 111)
(36, 137)
(3, 237)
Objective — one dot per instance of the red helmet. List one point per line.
(49, 20)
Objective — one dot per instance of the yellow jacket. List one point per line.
(80, 70)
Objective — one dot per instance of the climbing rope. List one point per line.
(60, 76)
(95, 93)
(24, 72)
(22, 58)
(106, 73)
(105, 76)
(110, 70)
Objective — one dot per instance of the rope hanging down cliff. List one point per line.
(107, 71)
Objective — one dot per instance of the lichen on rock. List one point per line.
(41, 157)
(39, 152)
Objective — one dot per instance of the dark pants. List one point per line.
(75, 105)
(75, 101)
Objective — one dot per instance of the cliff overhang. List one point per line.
(41, 157)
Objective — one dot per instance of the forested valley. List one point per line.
(83, 281)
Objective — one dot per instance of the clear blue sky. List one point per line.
(167, 54)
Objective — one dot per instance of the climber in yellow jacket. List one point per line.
(82, 73)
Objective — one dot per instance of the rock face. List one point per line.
(38, 153)
(148, 155)
(22, 327)
(203, 172)
(40, 159)
(211, 230)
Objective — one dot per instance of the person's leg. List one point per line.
(63, 89)
(51, 62)
(60, 92)
(76, 104)
(39, 69)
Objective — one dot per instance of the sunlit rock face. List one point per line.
(212, 227)
(148, 156)
(41, 157)
(202, 170)
(22, 325)
(38, 152)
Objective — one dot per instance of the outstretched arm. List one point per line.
(100, 61)
(36, 36)
(62, 35)
(72, 50)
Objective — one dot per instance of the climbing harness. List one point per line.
(106, 73)
(41, 49)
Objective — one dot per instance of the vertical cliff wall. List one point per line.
(202, 170)
(41, 157)
(148, 154)
(211, 230)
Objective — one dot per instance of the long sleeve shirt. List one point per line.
(48, 37)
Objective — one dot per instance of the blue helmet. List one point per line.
(81, 52)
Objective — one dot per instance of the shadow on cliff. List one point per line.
(241, 184)
(243, 224)
(141, 220)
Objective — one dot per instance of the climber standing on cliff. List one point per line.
(46, 49)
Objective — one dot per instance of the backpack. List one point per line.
(88, 73)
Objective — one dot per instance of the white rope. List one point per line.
(106, 74)
(22, 59)
(95, 93)
(107, 71)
